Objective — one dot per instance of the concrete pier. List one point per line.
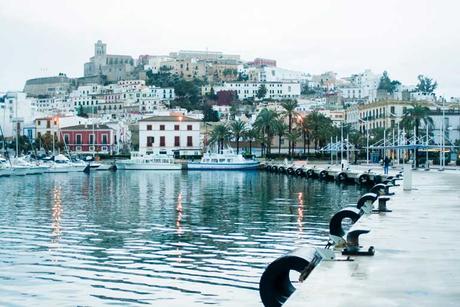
(417, 251)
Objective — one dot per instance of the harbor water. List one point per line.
(160, 238)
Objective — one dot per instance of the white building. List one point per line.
(156, 62)
(361, 87)
(53, 124)
(276, 74)
(175, 133)
(275, 90)
(17, 111)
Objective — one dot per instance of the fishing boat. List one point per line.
(227, 159)
(160, 160)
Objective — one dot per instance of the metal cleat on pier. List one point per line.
(382, 204)
(352, 245)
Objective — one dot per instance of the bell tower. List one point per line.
(100, 48)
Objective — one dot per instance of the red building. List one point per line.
(226, 98)
(260, 62)
(89, 138)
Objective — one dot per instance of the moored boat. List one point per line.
(61, 164)
(226, 160)
(5, 168)
(160, 160)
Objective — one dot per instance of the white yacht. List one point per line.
(5, 168)
(227, 160)
(62, 164)
(21, 166)
(160, 160)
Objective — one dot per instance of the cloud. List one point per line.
(404, 37)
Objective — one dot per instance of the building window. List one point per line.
(39, 123)
(162, 141)
(149, 127)
(150, 141)
(189, 127)
(162, 127)
(78, 139)
(176, 127)
(176, 141)
(48, 124)
(66, 138)
(91, 139)
(189, 141)
(104, 139)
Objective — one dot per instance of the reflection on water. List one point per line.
(158, 238)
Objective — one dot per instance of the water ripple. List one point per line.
(131, 238)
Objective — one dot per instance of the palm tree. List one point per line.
(219, 135)
(293, 136)
(305, 129)
(264, 123)
(320, 127)
(237, 129)
(280, 129)
(289, 107)
(416, 115)
(251, 135)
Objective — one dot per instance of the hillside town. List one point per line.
(187, 100)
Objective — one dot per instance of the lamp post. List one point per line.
(367, 139)
(441, 143)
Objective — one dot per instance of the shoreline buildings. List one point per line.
(120, 91)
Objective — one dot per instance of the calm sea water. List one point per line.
(159, 238)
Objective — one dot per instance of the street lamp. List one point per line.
(367, 139)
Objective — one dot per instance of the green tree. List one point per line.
(280, 129)
(289, 107)
(292, 137)
(305, 130)
(209, 115)
(219, 135)
(426, 84)
(261, 91)
(237, 129)
(307, 90)
(416, 115)
(264, 122)
(251, 135)
(320, 127)
(387, 84)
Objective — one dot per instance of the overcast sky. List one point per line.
(406, 38)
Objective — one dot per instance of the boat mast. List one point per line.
(94, 135)
(5, 153)
(17, 129)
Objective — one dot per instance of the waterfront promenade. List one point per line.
(416, 258)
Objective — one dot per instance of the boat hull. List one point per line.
(66, 169)
(223, 166)
(20, 170)
(147, 166)
(5, 172)
(36, 170)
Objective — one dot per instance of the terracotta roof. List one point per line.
(169, 118)
(87, 127)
